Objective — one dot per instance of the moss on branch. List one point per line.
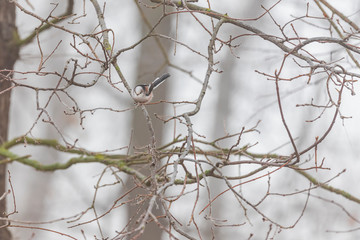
(124, 162)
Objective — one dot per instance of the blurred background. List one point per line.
(239, 97)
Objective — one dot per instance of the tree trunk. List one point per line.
(8, 56)
(151, 60)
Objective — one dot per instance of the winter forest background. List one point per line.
(254, 135)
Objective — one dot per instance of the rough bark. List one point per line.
(8, 56)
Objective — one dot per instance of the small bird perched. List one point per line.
(144, 93)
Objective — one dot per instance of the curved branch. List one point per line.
(48, 25)
(206, 11)
(339, 41)
(328, 187)
(210, 69)
(107, 44)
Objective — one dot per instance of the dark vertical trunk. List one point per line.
(151, 60)
(8, 56)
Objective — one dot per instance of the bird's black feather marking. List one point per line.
(157, 82)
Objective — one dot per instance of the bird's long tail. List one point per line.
(158, 81)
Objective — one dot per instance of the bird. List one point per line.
(143, 93)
